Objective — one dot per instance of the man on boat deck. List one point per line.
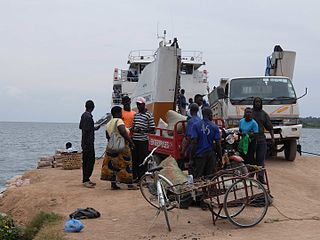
(182, 103)
(143, 123)
(87, 143)
(205, 138)
(127, 113)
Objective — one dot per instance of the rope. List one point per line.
(287, 218)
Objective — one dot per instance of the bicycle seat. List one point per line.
(155, 169)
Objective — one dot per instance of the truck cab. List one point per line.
(229, 99)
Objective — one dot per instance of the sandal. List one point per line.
(114, 186)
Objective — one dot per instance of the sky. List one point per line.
(54, 55)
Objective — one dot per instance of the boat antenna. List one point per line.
(163, 37)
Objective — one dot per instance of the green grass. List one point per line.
(43, 226)
(38, 222)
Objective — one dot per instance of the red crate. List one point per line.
(169, 141)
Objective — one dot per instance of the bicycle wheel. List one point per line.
(222, 184)
(164, 208)
(246, 202)
(148, 189)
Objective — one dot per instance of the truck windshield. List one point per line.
(271, 90)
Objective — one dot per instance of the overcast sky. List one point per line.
(56, 54)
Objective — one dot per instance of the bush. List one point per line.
(42, 226)
(38, 221)
(8, 230)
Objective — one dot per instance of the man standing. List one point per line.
(186, 147)
(264, 122)
(206, 146)
(143, 123)
(198, 99)
(182, 103)
(87, 144)
(127, 114)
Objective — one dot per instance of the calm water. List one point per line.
(22, 144)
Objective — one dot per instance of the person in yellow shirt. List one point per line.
(127, 113)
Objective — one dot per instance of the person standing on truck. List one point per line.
(143, 123)
(87, 143)
(264, 122)
(248, 128)
(206, 147)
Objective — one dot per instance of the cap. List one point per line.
(140, 100)
(125, 99)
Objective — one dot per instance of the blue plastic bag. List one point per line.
(73, 225)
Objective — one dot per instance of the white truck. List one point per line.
(233, 95)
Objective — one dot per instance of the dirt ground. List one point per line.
(295, 187)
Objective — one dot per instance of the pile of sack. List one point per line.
(45, 162)
(172, 117)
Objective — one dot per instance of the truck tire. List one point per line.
(290, 150)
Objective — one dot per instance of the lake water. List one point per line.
(22, 144)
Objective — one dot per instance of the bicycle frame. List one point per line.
(161, 197)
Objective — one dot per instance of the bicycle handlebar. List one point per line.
(147, 157)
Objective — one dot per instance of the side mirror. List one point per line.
(220, 92)
(305, 93)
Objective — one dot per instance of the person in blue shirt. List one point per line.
(206, 147)
(249, 126)
(186, 148)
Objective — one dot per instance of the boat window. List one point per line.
(186, 68)
(132, 75)
(116, 95)
(141, 67)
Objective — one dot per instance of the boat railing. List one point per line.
(192, 56)
(141, 55)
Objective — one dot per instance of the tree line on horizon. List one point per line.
(310, 122)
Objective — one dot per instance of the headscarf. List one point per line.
(254, 104)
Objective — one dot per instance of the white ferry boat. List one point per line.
(158, 75)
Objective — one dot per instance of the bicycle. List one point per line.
(157, 189)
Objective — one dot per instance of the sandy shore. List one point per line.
(295, 187)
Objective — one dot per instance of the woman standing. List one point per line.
(117, 167)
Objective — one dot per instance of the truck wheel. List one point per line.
(290, 150)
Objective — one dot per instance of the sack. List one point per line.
(173, 117)
(116, 142)
(73, 225)
(83, 213)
